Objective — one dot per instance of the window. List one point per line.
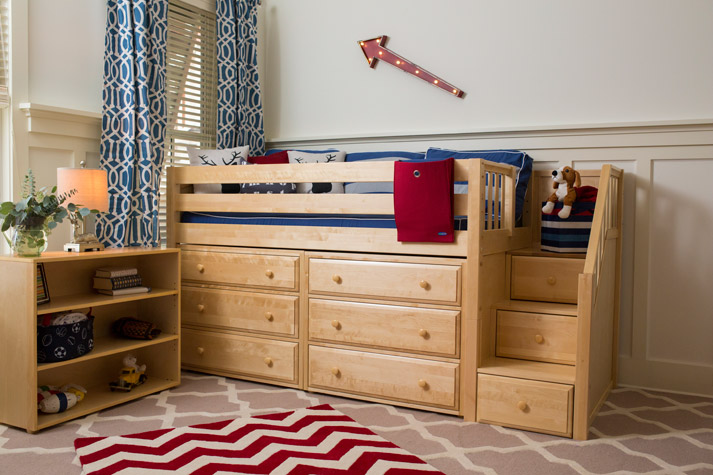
(191, 87)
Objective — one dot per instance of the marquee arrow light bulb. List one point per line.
(374, 51)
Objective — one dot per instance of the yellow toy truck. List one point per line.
(131, 376)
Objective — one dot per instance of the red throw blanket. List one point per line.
(423, 201)
(586, 193)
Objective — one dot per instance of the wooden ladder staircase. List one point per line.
(548, 352)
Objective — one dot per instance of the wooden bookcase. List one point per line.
(69, 279)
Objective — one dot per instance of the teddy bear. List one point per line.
(565, 180)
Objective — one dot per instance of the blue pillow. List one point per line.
(276, 150)
(359, 156)
(379, 186)
(521, 160)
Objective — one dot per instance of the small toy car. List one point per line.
(128, 379)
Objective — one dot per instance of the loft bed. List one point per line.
(330, 279)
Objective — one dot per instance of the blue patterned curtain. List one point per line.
(133, 120)
(239, 102)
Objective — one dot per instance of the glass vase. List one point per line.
(29, 240)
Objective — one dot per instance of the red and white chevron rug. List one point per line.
(315, 440)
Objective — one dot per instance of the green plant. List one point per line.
(39, 211)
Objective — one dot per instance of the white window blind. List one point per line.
(191, 87)
(4, 53)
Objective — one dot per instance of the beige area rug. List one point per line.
(636, 432)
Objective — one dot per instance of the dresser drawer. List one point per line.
(253, 270)
(548, 279)
(256, 357)
(525, 404)
(431, 383)
(419, 330)
(535, 336)
(391, 280)
(239, 310)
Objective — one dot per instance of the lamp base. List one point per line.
(83, 246)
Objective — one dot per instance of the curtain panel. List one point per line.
(133, 120)
(240, 116)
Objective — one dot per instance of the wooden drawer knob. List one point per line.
(269, 317)
(335, 371)
(522, 405)
(200, 350)
(423, 333)
(337, 278)
(200, 268)
(552, 280)
(269, 274)
(539, 339)
(336, 324)
(422, 383)
(423, 284)
(200, 307)
(268, 361)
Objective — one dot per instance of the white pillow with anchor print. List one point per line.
(212, 158)
(326, 157)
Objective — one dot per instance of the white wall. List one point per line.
(521, 63)
(534, 73)
(526, 66)
(58, 48)
(66, 51)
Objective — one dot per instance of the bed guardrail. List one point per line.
(499, 198)
(496, 183)
(598, 304)
(606, 223)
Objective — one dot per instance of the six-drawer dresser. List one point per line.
(329, 322)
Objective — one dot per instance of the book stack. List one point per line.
(116, 280)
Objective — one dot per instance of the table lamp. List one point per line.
(91, 189)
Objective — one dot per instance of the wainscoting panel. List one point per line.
(57, 138)
(681, 246)
(667, 261)
(667, 269)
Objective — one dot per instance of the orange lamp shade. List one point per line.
(90, 185)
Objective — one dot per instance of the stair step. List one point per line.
(525, 369)
(537, 307)
(538, 253)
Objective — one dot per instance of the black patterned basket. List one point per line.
(65, 342)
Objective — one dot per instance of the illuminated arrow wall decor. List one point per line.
(374, 51)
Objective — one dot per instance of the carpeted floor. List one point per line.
(636, 432)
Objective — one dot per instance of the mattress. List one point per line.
(329, 220)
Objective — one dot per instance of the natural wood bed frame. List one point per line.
(484, 247)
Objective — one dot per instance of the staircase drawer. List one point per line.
(253, 357)
(412, 380)
(391, 280)
(252, 270)
(536, 336)
(421, 330)
(524, 404)
(239, 310)
(548, 279)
